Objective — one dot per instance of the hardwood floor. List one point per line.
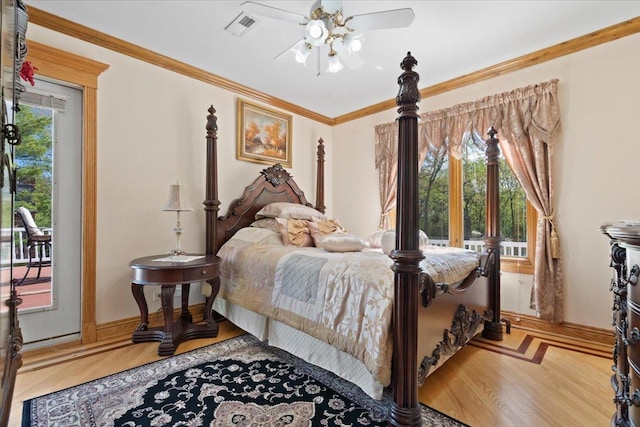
(529, 379)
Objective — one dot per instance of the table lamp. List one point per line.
(178, 202)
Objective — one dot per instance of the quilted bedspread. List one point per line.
(344, 299)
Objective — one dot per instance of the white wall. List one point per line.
(151, 132)
(596, 166)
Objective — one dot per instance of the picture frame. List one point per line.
(263, 135)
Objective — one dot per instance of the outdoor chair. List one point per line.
(38, 243)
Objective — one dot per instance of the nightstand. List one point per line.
(169, 274)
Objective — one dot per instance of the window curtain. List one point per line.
(387, 166)
(528, 124)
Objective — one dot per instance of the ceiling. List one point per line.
(448, 38)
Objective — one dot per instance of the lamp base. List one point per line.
(177, 252)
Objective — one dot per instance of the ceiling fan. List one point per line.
(327, 25)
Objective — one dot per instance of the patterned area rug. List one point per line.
(237, 382)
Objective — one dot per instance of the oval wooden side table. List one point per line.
(168, 274)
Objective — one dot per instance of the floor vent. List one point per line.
(241, 24)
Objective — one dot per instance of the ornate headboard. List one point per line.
(274, 184)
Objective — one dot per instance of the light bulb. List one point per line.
(355, 45)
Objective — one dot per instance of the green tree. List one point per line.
(433, 190)
(433, 193)
(33, 157)
(512, 204)
(474, 188)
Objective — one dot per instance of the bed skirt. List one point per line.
(436, 323)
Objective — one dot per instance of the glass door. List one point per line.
(47, 262)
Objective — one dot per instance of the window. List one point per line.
(452, 196)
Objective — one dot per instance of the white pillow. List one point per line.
(289, 210)
(341, 242)
(375, 239)
(388, 241)
(323, 227)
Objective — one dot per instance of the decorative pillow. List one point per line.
(289, 210)
(294, 232)
(268, 223)
(375, 239)
(388, 241)
(341, 242)
(322, 227)
(257, 235)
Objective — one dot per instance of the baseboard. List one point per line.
(125, 327)
(566, 329)
(111, 335)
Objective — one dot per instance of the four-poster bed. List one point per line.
(382, 344)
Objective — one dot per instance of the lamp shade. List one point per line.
(334, 64)
(178, 199)
(301, 51)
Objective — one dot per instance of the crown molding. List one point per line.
(64, 26)
(81, 32)
(605, 35)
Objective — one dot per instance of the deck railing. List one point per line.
(20, 255)
(507, 248)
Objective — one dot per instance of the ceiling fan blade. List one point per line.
(396, 18)
(352, 60)
(287, 55)
(254, 8)
(331, 6)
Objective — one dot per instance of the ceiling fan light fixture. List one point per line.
(315, 32)
(334, 63)
(355, 45)
(302, 52)
(327, 25)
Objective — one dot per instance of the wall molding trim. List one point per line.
(70, 28)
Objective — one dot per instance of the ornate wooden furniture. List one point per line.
(276, 185)
(13, 49)
(168, 275)
(625, 262)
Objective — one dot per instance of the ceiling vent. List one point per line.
(241, 25)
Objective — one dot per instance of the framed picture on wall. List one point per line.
(264, 135)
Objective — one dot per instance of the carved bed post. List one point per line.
(405, 409)
(493, 329)
(320, 178)
(211, 202)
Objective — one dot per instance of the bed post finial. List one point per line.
(408, 94)
(493, 328)
(211, 202)
(320, 177)
(405, 408)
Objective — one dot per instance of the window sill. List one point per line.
(516, 265)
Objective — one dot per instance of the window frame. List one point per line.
(523, 265)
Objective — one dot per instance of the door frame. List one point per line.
(66, 67)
